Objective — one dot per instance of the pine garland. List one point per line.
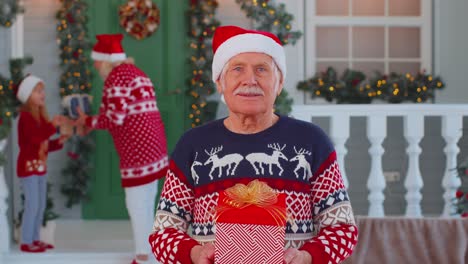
(272, 18)
(8, 11)
(201, 29)
(75, 79)
(8, 101)
(353, 87)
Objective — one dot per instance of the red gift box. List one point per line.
(249, 228)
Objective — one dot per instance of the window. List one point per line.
(368, 35)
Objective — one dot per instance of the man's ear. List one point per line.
(219, 88)
(280, 85)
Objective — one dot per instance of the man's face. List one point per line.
(250, 83)
(102, 68)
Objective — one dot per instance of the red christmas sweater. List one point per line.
(129, 112)
(293, 157)
(32, 160)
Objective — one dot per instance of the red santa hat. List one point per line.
(26, 87)
(229, 41)
(108, 48)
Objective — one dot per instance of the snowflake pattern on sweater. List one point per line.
(129, 112)
(294, 157)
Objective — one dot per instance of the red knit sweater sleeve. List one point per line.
(337, 231)
(169, 241)
(55, 145)
(102, 120)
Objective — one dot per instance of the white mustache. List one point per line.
(255, 90)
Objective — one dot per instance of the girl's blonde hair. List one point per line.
(36, 112)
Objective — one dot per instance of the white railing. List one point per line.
(413, 116)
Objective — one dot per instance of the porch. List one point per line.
(81, 241)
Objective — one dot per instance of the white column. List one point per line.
(339, 135)
(17, 37)
(414, 131)
(451, 131)
(4, 227)
(376, 132)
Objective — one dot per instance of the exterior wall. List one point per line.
(450, 54)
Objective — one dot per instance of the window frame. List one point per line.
(423, 22)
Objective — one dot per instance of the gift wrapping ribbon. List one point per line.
(254, 193)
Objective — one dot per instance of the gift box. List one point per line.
(250, 225)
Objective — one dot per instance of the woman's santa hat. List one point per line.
(229, 41)
(108, 48)
(26, 87)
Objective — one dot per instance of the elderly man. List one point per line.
(295, 158)
(130, 113)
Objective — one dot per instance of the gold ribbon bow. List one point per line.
(254, 193)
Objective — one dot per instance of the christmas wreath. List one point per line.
(139, 18)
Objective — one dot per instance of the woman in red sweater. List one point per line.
(34, 130)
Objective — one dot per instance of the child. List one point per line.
(34, 130)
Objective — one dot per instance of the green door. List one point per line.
(162, 57)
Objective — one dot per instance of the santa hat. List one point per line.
(229, 41)
(26, 87)
(108, 48)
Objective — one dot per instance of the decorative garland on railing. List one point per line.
(8, 11)
(268, 17)
(75, 79)
(353, 87)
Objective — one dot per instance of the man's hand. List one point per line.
(58, 120)
(81, 117)
(294, 256)
(203, 254)
(64, 138)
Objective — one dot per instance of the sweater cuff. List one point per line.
(90, 121)
(185, 248)
(317, 251)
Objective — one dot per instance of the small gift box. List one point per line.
(73, 101)
(250, 225)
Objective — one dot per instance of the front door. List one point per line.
(162, 57)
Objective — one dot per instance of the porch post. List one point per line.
(451, 131)
(339, 134)
(4, 228)
(376, 132)
(414, 131)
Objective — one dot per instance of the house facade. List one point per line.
(335, 33)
